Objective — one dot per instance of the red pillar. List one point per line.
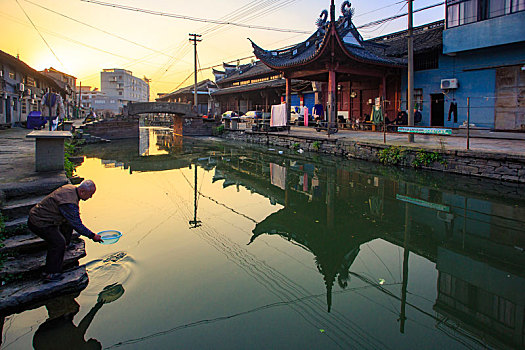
(288, 99)
(332, 98)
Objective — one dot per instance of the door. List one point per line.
(8, 110)
(437, 110)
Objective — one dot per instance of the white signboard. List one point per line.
(435, 131)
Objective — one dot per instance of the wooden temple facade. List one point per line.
(349, 71)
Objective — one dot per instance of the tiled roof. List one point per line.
(246, 71)
(249, 87)
(201, 86)
(15, 62)
(307, 50)
(426, 38)
(275, 83)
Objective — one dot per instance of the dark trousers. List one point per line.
(57, 238)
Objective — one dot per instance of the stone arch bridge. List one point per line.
(180, 109)
(185, 121)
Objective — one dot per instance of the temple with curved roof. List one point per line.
(337, 55)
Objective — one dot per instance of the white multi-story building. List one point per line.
(120, 84)
(98, 101)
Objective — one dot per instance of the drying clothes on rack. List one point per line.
(453, 109)
(278, 117)
(305, 116)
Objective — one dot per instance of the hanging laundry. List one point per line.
(305, 116)
(453, 109)
(278, 117)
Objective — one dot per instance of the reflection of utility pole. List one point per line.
(195, 223)
(402, 317)
(410, 97)
(193, 37)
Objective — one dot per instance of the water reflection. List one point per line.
(473, 230)
(59, 331)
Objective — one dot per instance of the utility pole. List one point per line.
(80, 101)
(193, 37)
(410, 98)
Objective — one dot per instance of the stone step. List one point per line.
(27, 242)
(34, 263)
(44, 185)
(22, 243)
(17, 208)
(13, 224)
(17, 295)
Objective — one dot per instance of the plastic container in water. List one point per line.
(110, 236)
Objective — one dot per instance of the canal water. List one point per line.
(229, 246)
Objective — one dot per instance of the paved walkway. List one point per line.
(17, 156)
(459, 143)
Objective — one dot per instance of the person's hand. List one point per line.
(97, 238)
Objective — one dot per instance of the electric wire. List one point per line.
(195, 19)
(38, 31)
(279, 280)
(96, 28)
(45, 30)
(223, 318)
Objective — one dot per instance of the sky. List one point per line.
(81, 38)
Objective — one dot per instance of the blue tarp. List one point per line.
(35, 120)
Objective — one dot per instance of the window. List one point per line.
(518, 5)
(12, 75)
(427, 60)
(467, 11)
(120, 93)
(496, 8)
(418, 99)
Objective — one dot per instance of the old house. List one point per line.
(21, 89)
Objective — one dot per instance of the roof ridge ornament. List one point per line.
(323, 17)
(347, 10)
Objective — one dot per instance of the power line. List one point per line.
(100, 30)
(34, 26)
(50, 32)
(195, 19)
(381, 21)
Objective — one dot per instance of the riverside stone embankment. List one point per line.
(495, 164)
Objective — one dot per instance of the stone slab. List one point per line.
(49, 134)
(15, 209)
(20, 243)
(18, 295)
(35, 262)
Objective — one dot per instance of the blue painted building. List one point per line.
(482, 60)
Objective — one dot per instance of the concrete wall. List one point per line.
(488, 33)
(192, 126)
(113, 130)
(476, 73)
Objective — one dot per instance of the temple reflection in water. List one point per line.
(473, 231)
